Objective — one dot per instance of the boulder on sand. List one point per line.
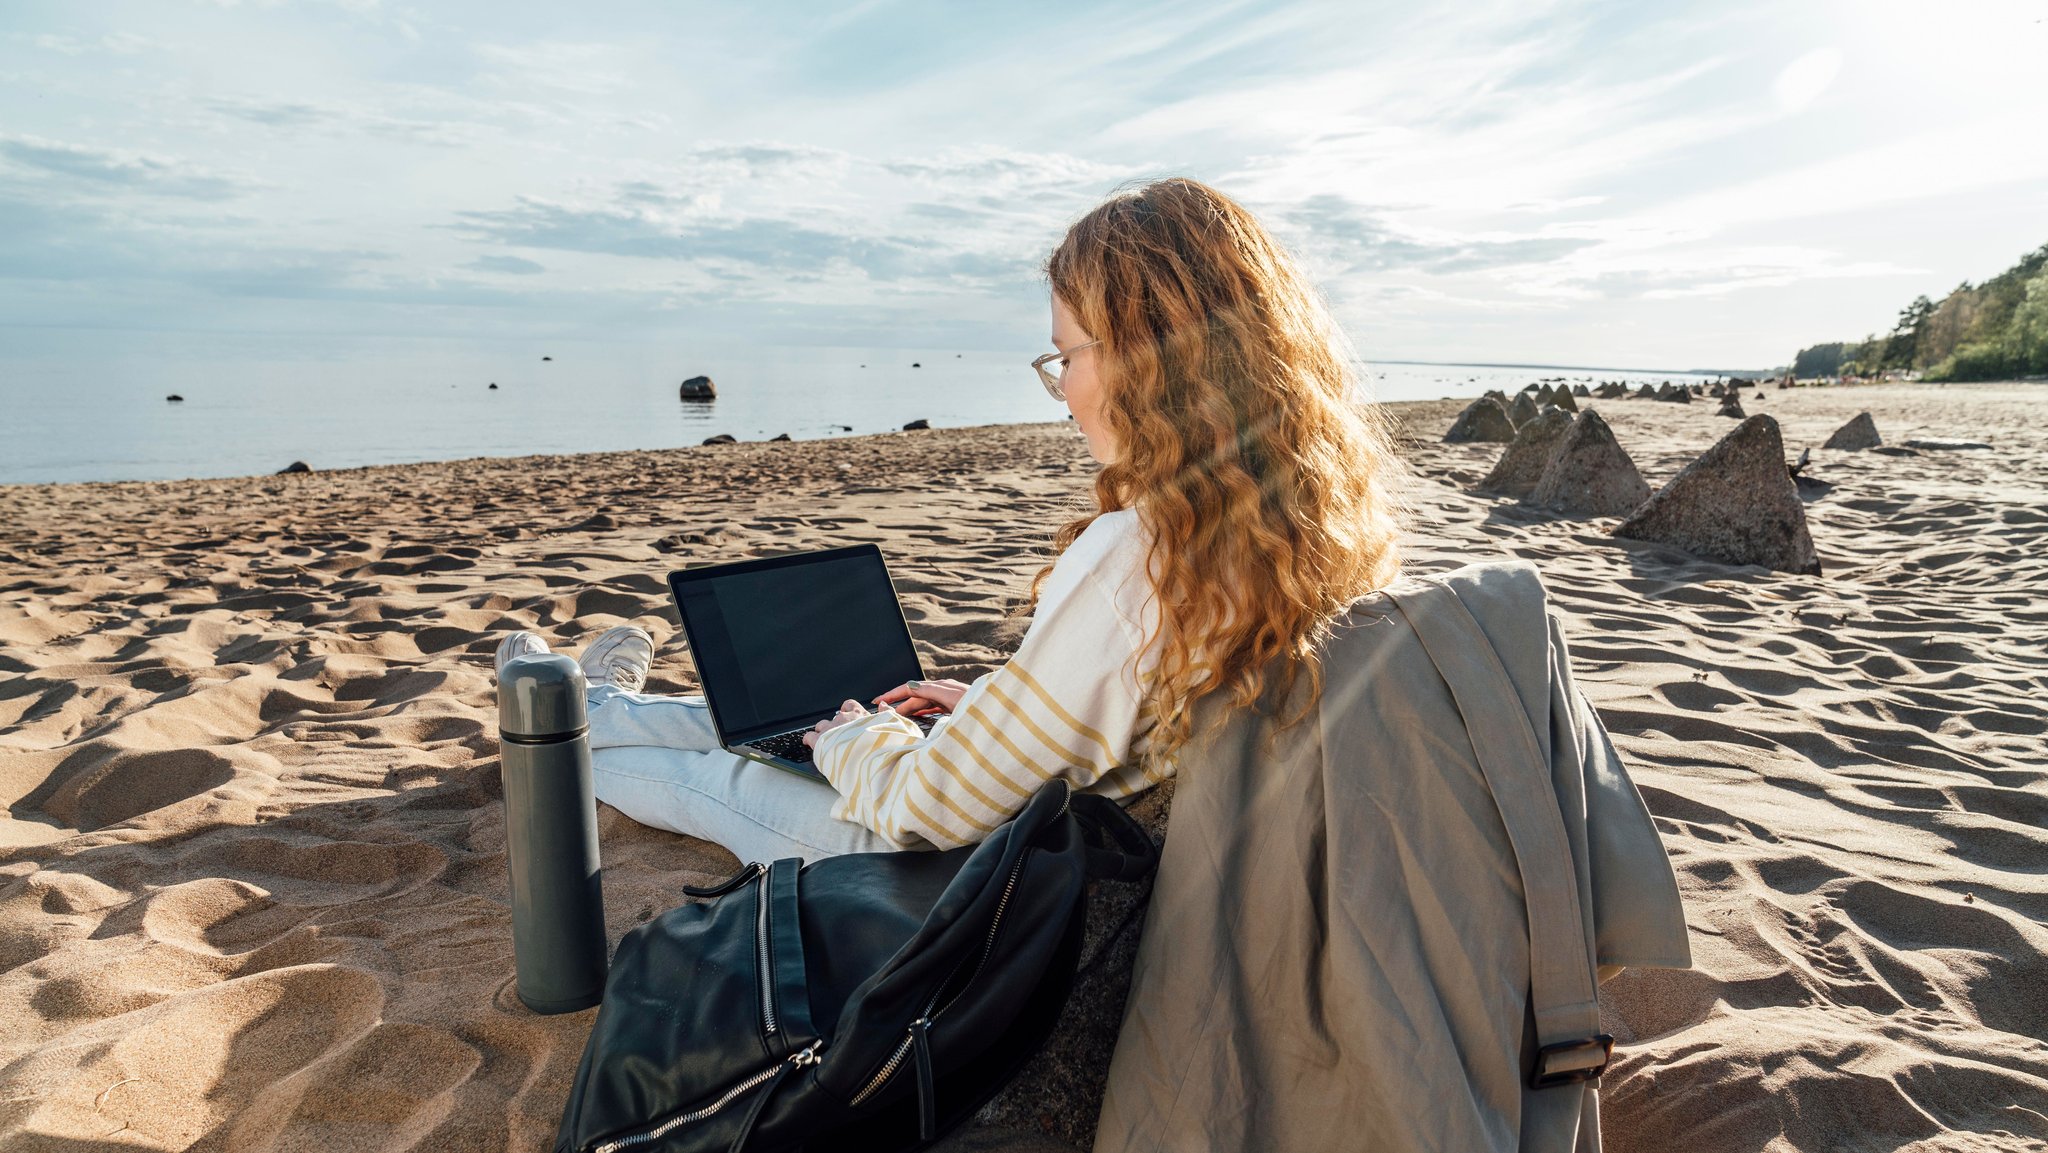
(698, 388)
(1589, 473)
(1516, 472)
(1483, 420)
(1736, 504)
(1858, 433)
(1523, 410)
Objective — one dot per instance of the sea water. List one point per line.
(74, 411)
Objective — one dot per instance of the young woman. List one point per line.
(1247, 494)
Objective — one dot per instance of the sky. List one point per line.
(1676, 186)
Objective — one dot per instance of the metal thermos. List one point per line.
(558, 937)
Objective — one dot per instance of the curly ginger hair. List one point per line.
(1269, 484)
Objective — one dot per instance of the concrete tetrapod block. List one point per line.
(1522, 411)
(1484, 420)
(1589, 473)
(1517, 470)
(1736, 504)
(1858, 433)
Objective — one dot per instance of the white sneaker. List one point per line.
(519, 644)
(620, 657)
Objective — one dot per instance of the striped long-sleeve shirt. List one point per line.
(1068, 704)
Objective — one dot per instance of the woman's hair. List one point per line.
(1268, 481)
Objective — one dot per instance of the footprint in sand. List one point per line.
(179, 1070)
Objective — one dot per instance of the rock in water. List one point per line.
(494, 386)
(295, 466)
(917, 424)
(1522, 411)
(1484, 420)
(1942, 442)
(1516, 473)
(174, 398)
(1731, 405)
(722, 438)
(1589, 473)
(698, 388)
(1858, 433)
(781, 436)
(1735, 504)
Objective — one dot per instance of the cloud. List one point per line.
(104, 169)
(1340, 231)
(763, 244)
(305, 116)
(1803, 80)
(511, 264)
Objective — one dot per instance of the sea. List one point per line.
(76, 413)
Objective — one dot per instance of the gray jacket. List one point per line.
(1338, 950)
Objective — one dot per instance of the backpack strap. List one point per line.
(1571, 1047)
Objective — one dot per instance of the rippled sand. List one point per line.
(252, 887)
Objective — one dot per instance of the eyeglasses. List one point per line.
(1053, 365)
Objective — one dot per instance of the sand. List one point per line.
(252, 889)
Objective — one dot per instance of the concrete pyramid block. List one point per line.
(1647, 393)
(1736, 504)
(1522, 411)
(1589, 473)
(1581, 390)
(1484, 420)
(1858, 433)
(1562, 398)
(1731, 405)
(1521, 464)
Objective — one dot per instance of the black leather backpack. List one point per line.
(871, 1001)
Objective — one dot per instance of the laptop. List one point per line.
(781, 642)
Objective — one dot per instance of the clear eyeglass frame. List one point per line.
(1050, 376)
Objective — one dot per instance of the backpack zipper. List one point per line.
(763, 960)
(923, 1020)
(808, 1055)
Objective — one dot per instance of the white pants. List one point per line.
(657, 759)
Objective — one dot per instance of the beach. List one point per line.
(252, 873)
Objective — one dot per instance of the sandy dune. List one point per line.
(252, 888)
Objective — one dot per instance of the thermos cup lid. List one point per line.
(541, 696)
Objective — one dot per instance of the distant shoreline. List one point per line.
(1753, 373)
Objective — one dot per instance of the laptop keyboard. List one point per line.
(790, 746)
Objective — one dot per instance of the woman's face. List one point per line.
(1081, 382)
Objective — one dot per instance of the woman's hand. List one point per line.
(847, 714)
(916, 698)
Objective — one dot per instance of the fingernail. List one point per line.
(915, 684)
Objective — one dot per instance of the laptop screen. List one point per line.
(781, 642)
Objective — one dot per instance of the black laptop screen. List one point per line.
(781, 642)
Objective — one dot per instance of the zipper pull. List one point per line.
(921, 1056)
(808, 1055)
(753, 869)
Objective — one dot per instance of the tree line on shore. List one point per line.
(1996, 330)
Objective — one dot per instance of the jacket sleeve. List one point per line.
(1066, 705)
